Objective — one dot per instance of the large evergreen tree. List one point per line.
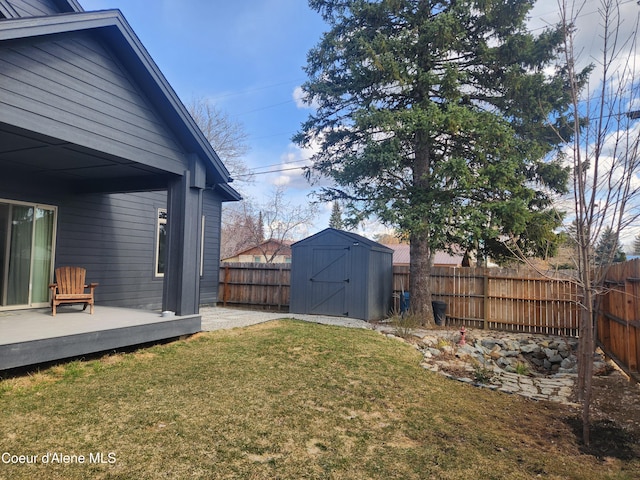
(436, 117)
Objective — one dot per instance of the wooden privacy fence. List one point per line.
(619, 316)
(476, 297)
(255, 284)
(482, 298)
(502, 299)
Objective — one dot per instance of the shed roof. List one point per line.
(348, 236)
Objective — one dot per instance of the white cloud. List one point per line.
(282, 181)
(302, 100)
(589, 34)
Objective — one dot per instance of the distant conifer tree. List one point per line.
(335, 221)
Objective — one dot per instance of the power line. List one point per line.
(269, 171)
(279, 164)
(265, 107)
(257, 88)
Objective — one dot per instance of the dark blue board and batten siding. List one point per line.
(74, 89)
(339, 273)
(209, 281)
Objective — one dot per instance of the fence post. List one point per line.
(485, 292)
(279, 288)
(225, 286)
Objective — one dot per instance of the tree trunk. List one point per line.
(420, 272)
(421, 255)
(586, 347)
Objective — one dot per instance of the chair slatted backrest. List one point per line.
(70, 280)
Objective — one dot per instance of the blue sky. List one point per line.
(247, 57)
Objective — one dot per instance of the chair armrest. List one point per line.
(92, 285)
(53, 285)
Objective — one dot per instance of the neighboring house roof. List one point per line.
(400, 253)
(269, 247)
(401, 256)
(113, 29)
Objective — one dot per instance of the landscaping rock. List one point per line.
(495, 354)
(536, 361)
(556, 358)
(488, 343)
(430, 340)
(552, 362)
(466, 350)
(529, 348)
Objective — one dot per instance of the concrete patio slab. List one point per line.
(218, 318)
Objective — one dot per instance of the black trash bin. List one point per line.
(439, 312)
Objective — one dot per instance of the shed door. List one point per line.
(329, 279)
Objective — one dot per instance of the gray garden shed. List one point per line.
(341, 274)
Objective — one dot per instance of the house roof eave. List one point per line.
(113, 27)
(7, 10)
(228, 193)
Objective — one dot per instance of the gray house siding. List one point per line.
(123, 228)
(212, 209)
(89, 125)
(34, 8)
(114, 237)
(75, 90)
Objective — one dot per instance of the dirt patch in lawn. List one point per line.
(615, 414)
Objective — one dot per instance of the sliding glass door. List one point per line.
(27, 235)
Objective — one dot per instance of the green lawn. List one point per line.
(284, 400)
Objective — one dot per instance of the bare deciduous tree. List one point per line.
(249, 224)
(604, 160)
(227, 137)
(238, 228)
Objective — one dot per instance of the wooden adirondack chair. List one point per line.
(70, 288)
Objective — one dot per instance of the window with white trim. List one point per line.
(161, 242)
